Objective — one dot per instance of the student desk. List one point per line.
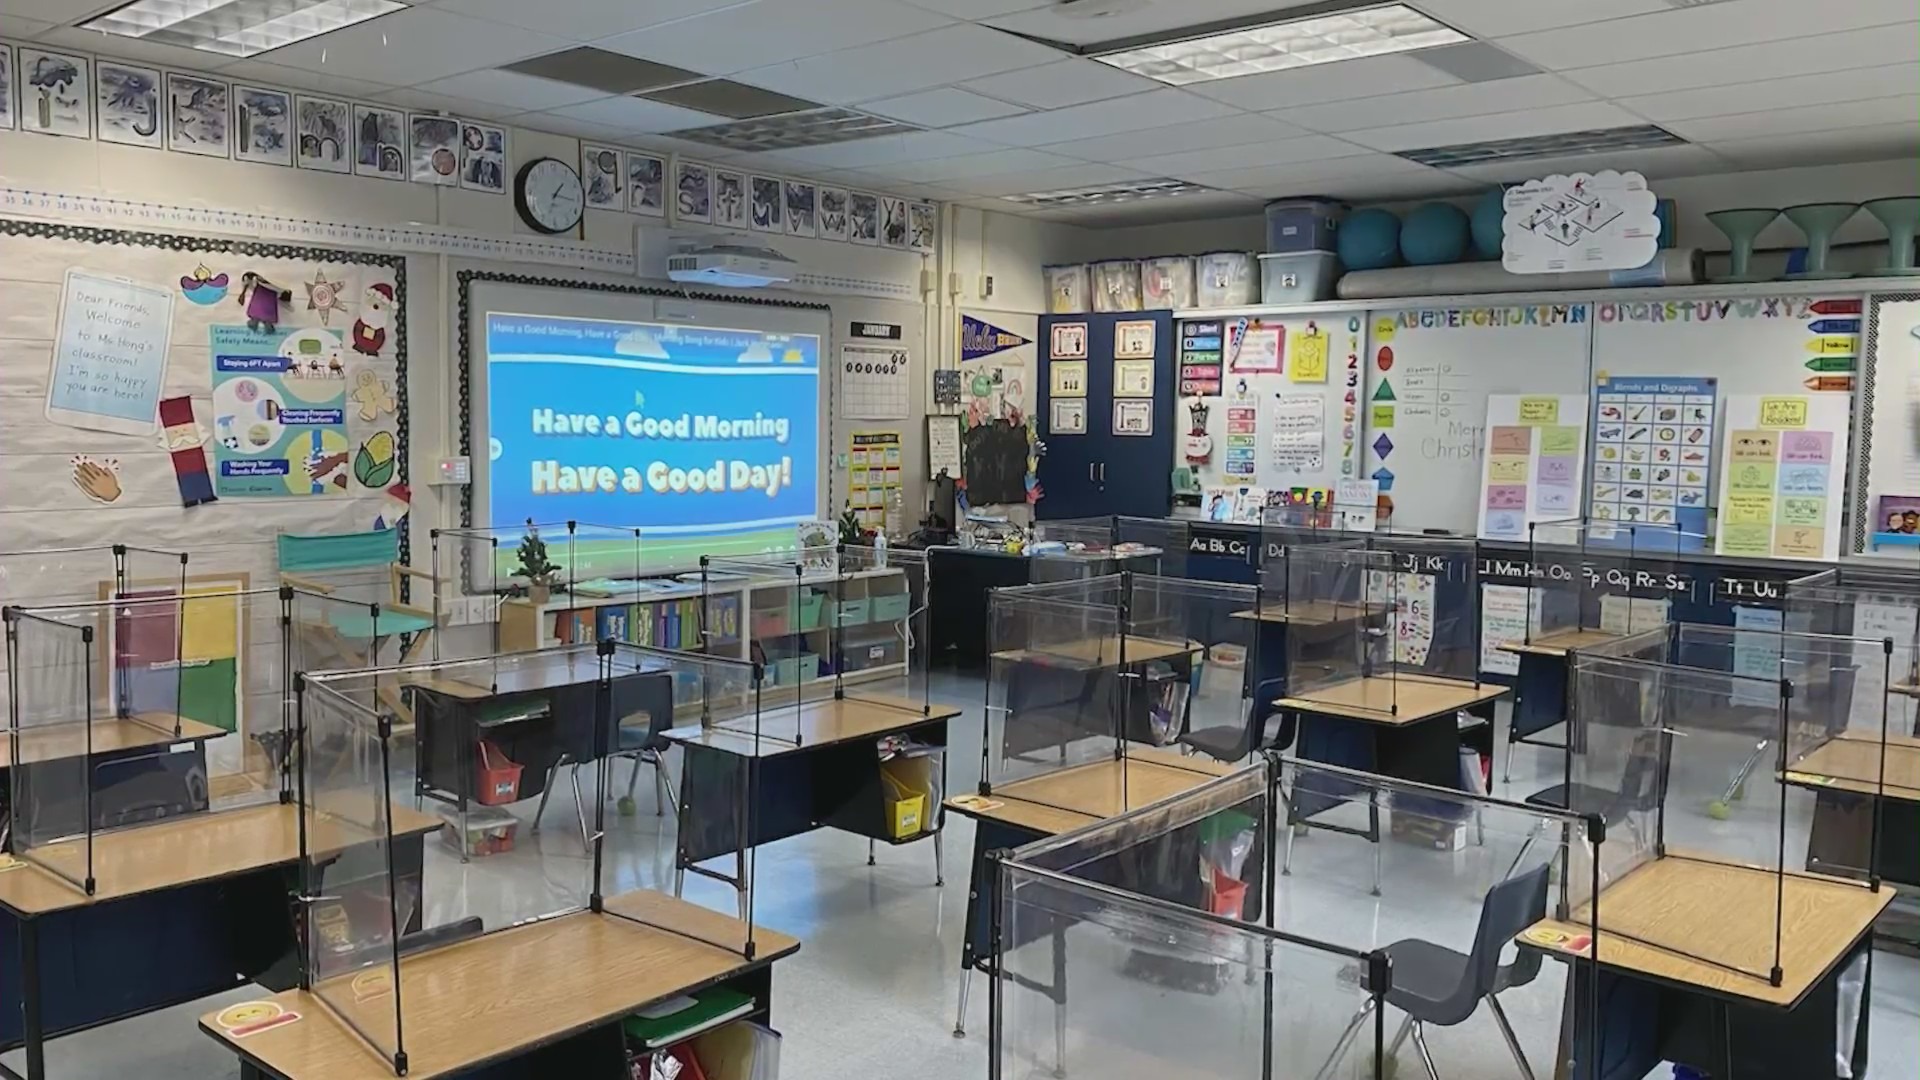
(1540, 688)
(1055, 803)
(177, 914)
(140, 731)
(1842, 831)
(554, 988)
(816, 764)
(1348, 723)
(1057, 687)
(1728, 1023)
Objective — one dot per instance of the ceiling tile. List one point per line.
(114, 47)
(913, 146)
(958, 169)
(1054, 24)
(1875, 142)
(1439, 103)
(1063, 83)
(25, 28)
(584, 20)
(1202, 135)
(1812, 118)
(667, 144)
(1775, 59)
(1697, 29)
(637, 115)
(58, 12)
(1195, 207)
(1244, 155)
(1514, 125)
(1504, 18)
(978, 9)
(422, 101)
(1274, 181)
(567, 125)
(319, 82)
(1326, 82)
(413, 46)
(773, 31)
(948, 55)
(1777, 93)
(940, 108)
(527, 92)
(1085, 174)
(1138, 112)
(1380, 187)
(1655, 163)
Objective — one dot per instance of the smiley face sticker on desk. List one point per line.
(252, 1017)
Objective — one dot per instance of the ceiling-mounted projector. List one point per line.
(729, 262)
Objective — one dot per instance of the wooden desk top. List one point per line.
(1726, 912)
(1418, 697)
(1561, 642)
(1852, 763)
(51, 742)
(1100, 651)
(183, 851)
(1075, 797)
(490, 997)
(816, 723)
(1318, 613)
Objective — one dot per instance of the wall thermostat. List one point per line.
(455, 470)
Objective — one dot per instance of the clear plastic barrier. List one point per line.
(1198, 683)
(1434, 597)
(1593, 580)
(1339, 599)
(879, 644)
(1053, 691)
(71, 575)
(51, 675)
(573, 579)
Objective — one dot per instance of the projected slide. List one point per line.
(706, 439)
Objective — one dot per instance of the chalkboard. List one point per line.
(1428, 374)
(996, 463)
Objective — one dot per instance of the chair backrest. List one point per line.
(647, 691)
(1640, 779)
(1510, 907)
(341, 551)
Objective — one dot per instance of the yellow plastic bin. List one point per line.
(908, 784)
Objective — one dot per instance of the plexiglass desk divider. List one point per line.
(783, 605)
(188, 694)
(1867, 600)
(880, 655)
(1198, 661)
(1053, 695)
(1442, 575)
(589, 566)
(1668, 748)
(1593, 579)
(1340, 647)
(1091, 928)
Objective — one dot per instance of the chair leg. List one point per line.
(1345, 1040)
(1506, 771)
(870, 846)
(580, 809)
(960, 1017)
(1513, 1043)
(1525, 846)
(633, 777)
(1400, 1037)
(1286, 860)
(553, 770)
(666, 781)
(1426, 1055)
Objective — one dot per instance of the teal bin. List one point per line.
(853, 612)
(891, 607)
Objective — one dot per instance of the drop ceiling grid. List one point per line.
(1749, 81)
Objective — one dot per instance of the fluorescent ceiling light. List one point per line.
(235, 27)
(1303, 42)
(1106, 196)
(1564, 144)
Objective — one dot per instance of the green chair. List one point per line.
(356, 580)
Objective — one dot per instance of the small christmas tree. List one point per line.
(533, 558)
(850, 530)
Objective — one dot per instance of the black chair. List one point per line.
(1229, 745)
(575, 707)
(1433, 984)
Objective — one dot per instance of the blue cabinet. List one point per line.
(1101, 471)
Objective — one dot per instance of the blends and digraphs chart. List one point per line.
(1653, 453)
(874, 380)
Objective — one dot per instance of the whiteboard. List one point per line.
(1749, 344)
(1302, 391)
(1428, 374)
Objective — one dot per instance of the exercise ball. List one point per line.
(1489, 223)
(1370, 240)
(1434, 233)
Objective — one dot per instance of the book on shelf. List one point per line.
(675, 1019)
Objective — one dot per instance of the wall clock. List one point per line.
(547, 194)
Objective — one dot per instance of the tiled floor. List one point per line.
(872, 990)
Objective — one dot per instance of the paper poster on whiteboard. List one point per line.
(1781, 474)
(109, 354)
(1653, 439)
(1535, 453)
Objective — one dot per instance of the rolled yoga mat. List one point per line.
(1674, 266)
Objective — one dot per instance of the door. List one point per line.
(1068, 475)
(1135, 470)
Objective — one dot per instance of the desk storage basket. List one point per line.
(853, 612)
(891, 607)
(497, 779)
(812, 611)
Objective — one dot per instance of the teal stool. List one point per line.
(1741, 227)
(1819, 221)
(1901, 216)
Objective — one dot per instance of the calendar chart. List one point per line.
(874, 381)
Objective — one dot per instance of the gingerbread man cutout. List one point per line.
(372, 395)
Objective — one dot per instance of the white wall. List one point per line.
(975, 242)
(1694, 195)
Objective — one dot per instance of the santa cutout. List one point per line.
(370, 329)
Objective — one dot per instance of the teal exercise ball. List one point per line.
(1370, 240)
(1433, 234)
(1489, 223)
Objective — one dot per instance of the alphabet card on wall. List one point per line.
(1535, 450)
(1781, 472)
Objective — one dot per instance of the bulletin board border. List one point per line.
(397, 264)
(463, 309)
(1867, 371)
